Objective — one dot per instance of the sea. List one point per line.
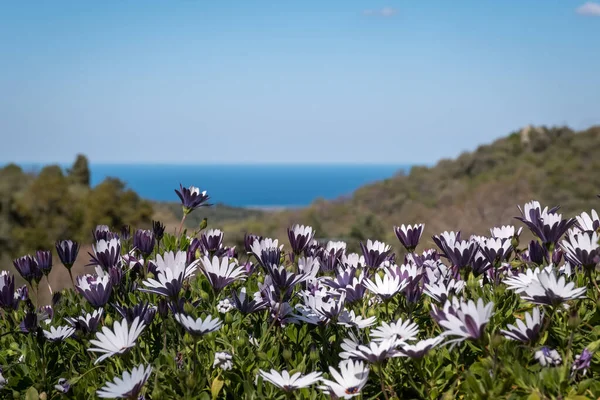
(263, 186)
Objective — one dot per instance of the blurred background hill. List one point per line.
(477, 190)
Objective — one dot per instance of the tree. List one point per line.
(79, 173)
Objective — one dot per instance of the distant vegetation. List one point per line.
(557, 166)
(38, 209)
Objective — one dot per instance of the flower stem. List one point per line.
(381, 380)
(547, 323)
(181, 224)
(37, 294)
(49, 287)
(71, 276)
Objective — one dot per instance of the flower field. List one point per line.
(182, 316)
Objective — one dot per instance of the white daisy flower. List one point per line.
(387, 287)
(522, 281)
(525, 332)
(581, 248)
(309, 266)
(224, 306)
(422, 347)
(377, 246)
(221, 272)
(396, 331)
(117, 341)
(468, 320)
(376, 352)
(266, 244)
(440, 291)
(549, 290)
(335, 246)
(289, 383)
(587, 222)
(449, 238)
(223, 360)
(198, 327)
(128, 386)
(176, 263)
(171, 270)
(547, 356)
(324, 304)
(63, 385)
(505, 232)
(59, 334)
(349, 344)
(300, 237)
(353, 260)
(348, 382)
(349, 319)
(111, 245)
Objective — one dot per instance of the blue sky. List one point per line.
(191, 81)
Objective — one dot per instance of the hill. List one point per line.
(556, 166)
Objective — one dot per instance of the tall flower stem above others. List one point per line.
(191, 198)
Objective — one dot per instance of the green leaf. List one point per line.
(215, 388)
(32, 394)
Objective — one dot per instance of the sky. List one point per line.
(311, 81)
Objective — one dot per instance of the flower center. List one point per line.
(352, 390)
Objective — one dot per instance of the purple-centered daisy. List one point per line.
(300, 237)
(28, 269)
(409, 236)
(67, 251)
(96, 290)
(191, 198)
(143, 240)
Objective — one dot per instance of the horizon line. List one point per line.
(191, 164)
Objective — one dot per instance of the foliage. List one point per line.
(304, 322)
(79, 173)
(38, 209)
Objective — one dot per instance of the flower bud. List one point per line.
(241, 341)
(203, 224)
(287, 355)
(163, 308)
(574, 320)
(594, 346)
(188, 308)
(515, 242)
(496, 340)
(189, 339)
(190, 381)
(204, 295)
(228, 318)
(43, 396)
(108, 321)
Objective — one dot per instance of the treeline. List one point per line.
(36, 209)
